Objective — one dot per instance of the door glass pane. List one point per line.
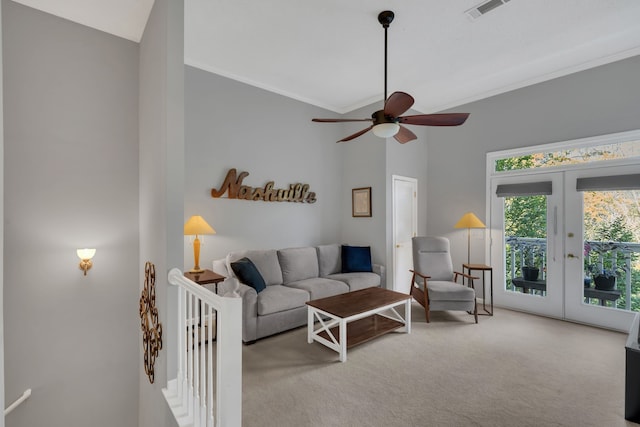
(525, 225)
(612, 249)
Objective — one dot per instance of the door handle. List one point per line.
(572, 256)
(397, 246)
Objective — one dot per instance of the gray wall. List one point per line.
(370, 162)
(71, 180)
(233, 125)
(161, 188)
(594, 102)
(364, 166)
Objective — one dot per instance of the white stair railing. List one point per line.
(191, 394)
(18, 401)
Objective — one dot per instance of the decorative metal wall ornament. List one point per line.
(233, 185)
(151, 328)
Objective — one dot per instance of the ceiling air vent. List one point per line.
(484, 7)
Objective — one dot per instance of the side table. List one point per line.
(205, 278)
(483, 268)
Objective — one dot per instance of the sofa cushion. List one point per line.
(298, 264)
(277, 298)
(329, 259)
(248, 274)
(358, 280)
(266, 261)
(320, 287)
(356, 258)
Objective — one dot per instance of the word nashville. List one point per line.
(296, 193)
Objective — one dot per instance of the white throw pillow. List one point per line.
(220, 266)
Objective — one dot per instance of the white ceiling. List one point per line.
(330, 53)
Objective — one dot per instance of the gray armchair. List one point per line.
(434, 283)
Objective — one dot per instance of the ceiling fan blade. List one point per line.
(446, 119)
(357, 134)
(340, 120)
(404, 135)
(397, 103)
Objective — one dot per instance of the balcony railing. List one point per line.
(523, 251)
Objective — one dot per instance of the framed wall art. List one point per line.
(361, 202)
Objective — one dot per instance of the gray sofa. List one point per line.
(292, 276)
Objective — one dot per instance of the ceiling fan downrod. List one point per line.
(385, 18)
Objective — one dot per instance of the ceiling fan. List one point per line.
(387, 122)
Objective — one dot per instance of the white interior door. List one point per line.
(405, 226)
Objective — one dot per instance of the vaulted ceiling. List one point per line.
(330, 53)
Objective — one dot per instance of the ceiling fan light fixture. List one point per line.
(386, 130)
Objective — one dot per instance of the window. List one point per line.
(588, 150)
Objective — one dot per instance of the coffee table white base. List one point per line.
(383, 323)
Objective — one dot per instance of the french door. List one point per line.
(526, 232)
(611, 309)
(538, 221)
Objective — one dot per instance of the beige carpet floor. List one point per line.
(512, 369)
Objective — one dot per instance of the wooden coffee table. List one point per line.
(356, 317)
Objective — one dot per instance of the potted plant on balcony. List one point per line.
(529, 270)
(530, 273)
(605, 279)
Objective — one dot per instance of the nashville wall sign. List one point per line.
(232, 185)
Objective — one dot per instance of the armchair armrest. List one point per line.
(420, 291)
(468, 276)
(420, 274)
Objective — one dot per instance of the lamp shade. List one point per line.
(196, 225)
(86, 253)
(386, 130)
(469, 220)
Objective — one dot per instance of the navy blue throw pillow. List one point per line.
(356, 258)
(248, 274)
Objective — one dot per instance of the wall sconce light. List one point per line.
(85, 256)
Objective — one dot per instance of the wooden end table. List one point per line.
(483, 268)
(204, 278)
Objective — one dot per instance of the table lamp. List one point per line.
(469, 221)
(195, 226)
